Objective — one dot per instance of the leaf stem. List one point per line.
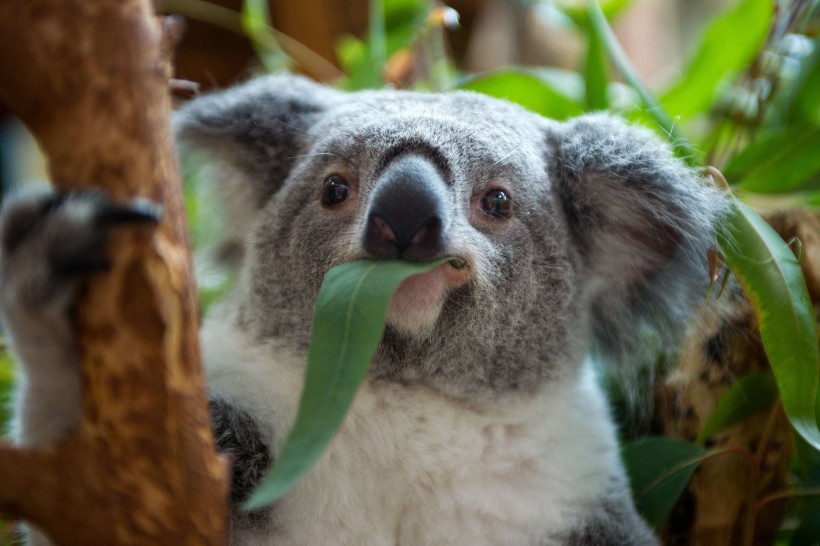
(377, 37)
(753, 509)
(745, 453)
(788, 494)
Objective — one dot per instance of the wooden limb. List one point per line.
(90, 80)
(25, 470)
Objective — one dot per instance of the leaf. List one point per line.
(347, 326)
(729, 44)
(595, 75)
(599, 26)
(528, 89)
(377, 36)
(773, 282)
(781, 162)
(750, 395)
(257, 24)
(808, 531)
(576, 10)
(394, 29)
(658, 470)
(807, 465)
(6, 384)
(804, 96)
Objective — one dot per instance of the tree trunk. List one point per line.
(90, 80)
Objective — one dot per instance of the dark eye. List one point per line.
(335, 190)
(498, 204)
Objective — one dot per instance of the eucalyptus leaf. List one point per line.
(773, 282)
(595, 75)
(256, 22)
(749, 396)
(804, 96)
(781, 162)
(658, 470)
(347, 326)
(577, 9)
(727, 46)
(567, 82)
(527, 89)
(377, 36)
(652, 108)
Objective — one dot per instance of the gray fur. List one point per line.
(644, 221)
(606, 244)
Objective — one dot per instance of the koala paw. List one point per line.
(47, 245)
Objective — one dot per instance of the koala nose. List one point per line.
(406, 216)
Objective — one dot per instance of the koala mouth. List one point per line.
(418, 301)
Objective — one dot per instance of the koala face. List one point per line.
(424, 178)
(564, 230)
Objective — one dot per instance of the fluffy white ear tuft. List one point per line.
(643, 222)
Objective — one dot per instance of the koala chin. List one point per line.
(481, 421)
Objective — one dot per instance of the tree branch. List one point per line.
(21, 475)
(90, 80)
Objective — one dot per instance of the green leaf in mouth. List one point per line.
(348, 321)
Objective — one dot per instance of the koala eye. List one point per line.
(335, 190)
(497, 203)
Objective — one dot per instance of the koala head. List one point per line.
(570, 234)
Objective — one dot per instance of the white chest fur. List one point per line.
(411, 467)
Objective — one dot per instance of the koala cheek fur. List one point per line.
(481, 421)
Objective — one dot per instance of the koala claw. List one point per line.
(137, 211)
(47, 243)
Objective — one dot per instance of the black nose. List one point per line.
(406, 217)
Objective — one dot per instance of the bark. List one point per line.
(90, 80)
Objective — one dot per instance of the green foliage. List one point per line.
(394, 23)
(576, 10)
(6, 384)
(773, 282)
(780, 162)
(527, 88)
(258, 26)
(596, 77)
(347, 326)
(658, 470)
(728, 45)
(803, 102)
(749, 396)
(603, 33)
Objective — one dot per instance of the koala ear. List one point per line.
(253, 131)
(643, 223)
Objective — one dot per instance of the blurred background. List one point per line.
(729, 83)
(322, 38)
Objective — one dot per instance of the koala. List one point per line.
(481, 421)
